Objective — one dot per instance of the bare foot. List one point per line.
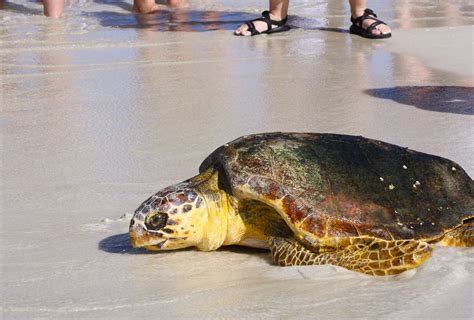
(179, 4)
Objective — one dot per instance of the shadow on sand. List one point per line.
(19, 8)
(120, 243)
(449, 99)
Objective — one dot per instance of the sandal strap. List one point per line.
(251, 27)
(368, 14)
(264, 18)
(374, 25)
(278, 23)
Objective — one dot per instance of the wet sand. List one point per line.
(102, 108)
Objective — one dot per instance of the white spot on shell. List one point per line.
(453, 168)
(391, 187)
(421, 223)
(400, 224)
(433, 223)
(411, 227)
(417, 183)
(381, 179)
(405, 167)
(429, 209)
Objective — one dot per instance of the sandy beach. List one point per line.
(103, 107)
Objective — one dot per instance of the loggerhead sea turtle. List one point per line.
(358, 203)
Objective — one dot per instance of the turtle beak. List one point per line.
(137, 238)
(135, 241)
(138, 234)
(140, 237)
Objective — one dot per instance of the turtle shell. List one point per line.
(337, 185)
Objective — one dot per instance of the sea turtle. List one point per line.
(358, 203)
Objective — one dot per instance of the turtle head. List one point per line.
(171, 219)
(191, 213)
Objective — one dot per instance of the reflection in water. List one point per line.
(405, 15)
(175, 20)
(430, 14)
(450, 99)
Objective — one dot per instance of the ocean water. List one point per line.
(103, 107)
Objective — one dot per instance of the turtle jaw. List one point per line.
(156, 247)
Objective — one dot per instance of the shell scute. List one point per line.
(295, 210)
(267, 188)
(314, 224)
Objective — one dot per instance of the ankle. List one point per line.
(277, 16)
(357, 12)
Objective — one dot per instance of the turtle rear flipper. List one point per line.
(362, 254)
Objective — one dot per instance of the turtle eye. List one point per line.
(156, 221)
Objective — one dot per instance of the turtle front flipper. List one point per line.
(362, 254)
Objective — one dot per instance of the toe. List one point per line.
(384, 29)
(238, 32)
(245, 32)
(376, 31)
(241, 31)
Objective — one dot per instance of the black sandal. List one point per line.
(281, 25)
(356, 27)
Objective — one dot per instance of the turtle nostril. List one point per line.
(156, 221)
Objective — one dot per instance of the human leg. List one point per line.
(145, 6)
(53, 8)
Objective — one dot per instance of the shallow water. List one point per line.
(102, 108)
